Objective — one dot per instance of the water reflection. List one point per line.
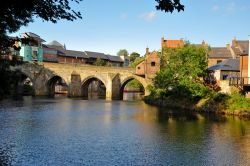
(98, 132)
(132, 96)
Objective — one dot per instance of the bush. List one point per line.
(238, 101)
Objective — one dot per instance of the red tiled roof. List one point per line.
(173, 43)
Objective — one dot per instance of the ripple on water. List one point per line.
(99, 132)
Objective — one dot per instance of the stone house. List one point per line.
(151, 65)
(171, 43)
(221, 73)
(219, 54)
(241, 49)
(226, 69)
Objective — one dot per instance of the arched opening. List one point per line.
(23, 85)
(132, 89)
(93, 88)
(57, 86)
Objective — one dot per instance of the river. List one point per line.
(64, 131)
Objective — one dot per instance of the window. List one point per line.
(126, 62)
(219, 61)
(152, 63)
(138, 68)
(34, 54)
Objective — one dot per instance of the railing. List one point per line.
(239, 81)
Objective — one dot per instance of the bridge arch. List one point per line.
(93, 87)
(125, 81)
(56, 84)
(24, 83)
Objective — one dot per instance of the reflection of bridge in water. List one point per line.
(78, 78)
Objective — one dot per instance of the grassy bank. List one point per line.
(235, 104)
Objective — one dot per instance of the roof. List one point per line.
(32, 35)
(114, 58)
(172, 43)
(244, 45)
(55, 44)
(55, 47)
(227, 65)
(63, 52)
(72, 53)
(240, 47)
(96, 55)
(220, 52)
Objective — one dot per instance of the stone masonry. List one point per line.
(77, 75)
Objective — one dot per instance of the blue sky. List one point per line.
(110, 25)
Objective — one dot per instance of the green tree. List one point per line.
(182, 72)
(15, 14)
(133, 56)
(100, 62)
(136, 61)
(122, 52)
(135, 84)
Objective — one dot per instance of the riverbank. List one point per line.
(233, 105)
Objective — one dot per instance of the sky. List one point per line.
(110, 25)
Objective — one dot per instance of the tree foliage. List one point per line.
(14, 14)
(133, 56)
(169, 5)
(135, 84)
(136, 61)
(182, 72)
(100, 62)
(122, 52)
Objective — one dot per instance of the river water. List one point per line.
(97, 132)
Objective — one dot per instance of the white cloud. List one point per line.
(150, 16)
(215, 8)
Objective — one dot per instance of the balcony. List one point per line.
(239, 81)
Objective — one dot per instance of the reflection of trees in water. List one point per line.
(96, 90)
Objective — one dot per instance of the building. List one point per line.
(219, 54)
(32, 49)
(151, 65)
(56, 52)
(226, 69)
(241, 49)
(171, 43)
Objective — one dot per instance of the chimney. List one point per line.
(147, 51)
(162, 42)
(203, 43)
(234, 43)
(231, 50)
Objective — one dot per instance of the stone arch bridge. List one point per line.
(44, 76)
